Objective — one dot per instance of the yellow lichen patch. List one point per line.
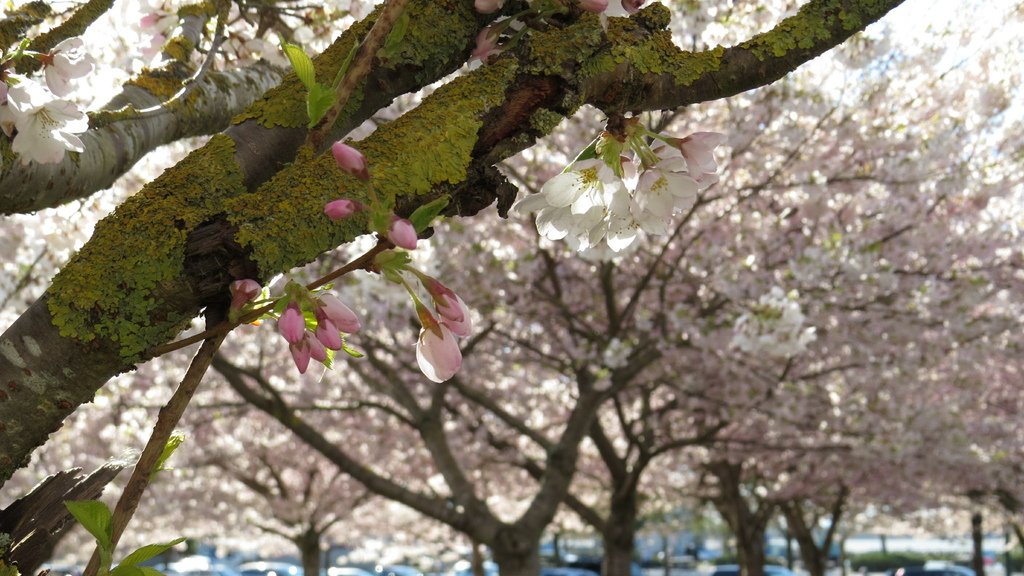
(437, 30)
(283, 223)
(647, 47)
(558, 50)
(132, 266)
(434, 29)
(812, 25)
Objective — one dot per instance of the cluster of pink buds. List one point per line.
(332, 318)
(437, 350)
(400, 231)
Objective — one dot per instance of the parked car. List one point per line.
(593, 564)
(933, 569)
(465, 568)
(263, 568)
(348, 571)
(734, 570)
(563, 571)
(397, 570)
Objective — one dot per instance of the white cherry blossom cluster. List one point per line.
(42, 125)
(774, 327)
(620, 187)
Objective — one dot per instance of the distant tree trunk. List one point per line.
(977, 535)
(556, 542)
(667, 552)
(885, 544)
(477, 561)
(515, 554)
(308, 544)
(813, 553)
(748, 525)
(789, 549)
(619, 533)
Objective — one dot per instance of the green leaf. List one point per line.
(318, 102)
(94, 516)
(393, 44)
(302, 64)
(588, 153)
(351, 351)
(424, 215)
(329, 362)
(146, 552)
(172, 444)
(343, 69)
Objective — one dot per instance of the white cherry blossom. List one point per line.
(66, 62)
(46, 126)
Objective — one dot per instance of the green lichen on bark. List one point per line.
(558, 51)
(436, 28)
(283, 224)
(163, 82)
(133, 263)
(645, 44)
(84, 16)
(15, 23)
(813, 24)
(544, 121)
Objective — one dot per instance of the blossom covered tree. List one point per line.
(800, 232)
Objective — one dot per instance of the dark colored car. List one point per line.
(947, 570)
(594, 565)
(734, 570)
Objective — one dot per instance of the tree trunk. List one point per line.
(516, 553)
(619, 533)
(666, 551)
(747, 525)
(309, 550)
(977, 536)
(750, 550)
(477, 561)
(811, 554)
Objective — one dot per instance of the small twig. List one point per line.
(357, 70)
(226, 326)
(166, 421)
(189, 85)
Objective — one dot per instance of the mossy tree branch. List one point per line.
(140, 280)
(119, 139)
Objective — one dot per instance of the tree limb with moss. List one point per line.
(249, 204)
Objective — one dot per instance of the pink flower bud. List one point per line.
(488, 6)
(402, 234)
(341, 208)
(632, 6)
(291, 324)
(243, 291)
(350, 160)
(300, 355)
(455, 315)
(316, 348)
(453, 311)
(486, 44)
(438, 354)
(698, 150)
(328, 334)
(343, 318)
(594, 5)
(149, 20)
